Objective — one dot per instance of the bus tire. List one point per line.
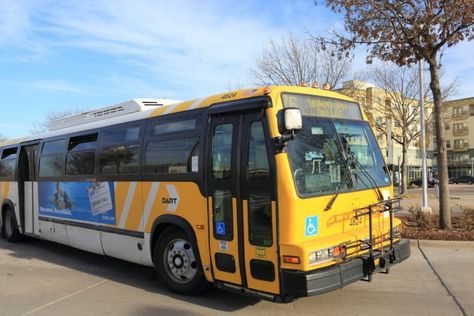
(177, 264)
(10, 229)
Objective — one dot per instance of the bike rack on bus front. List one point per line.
(385, 259)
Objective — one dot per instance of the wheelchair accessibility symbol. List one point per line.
(220, 228)
(311, 226)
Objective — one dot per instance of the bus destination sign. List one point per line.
(322, 106)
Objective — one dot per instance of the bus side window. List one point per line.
(120, 150)
(172, 156)
(8, 163)
(52, 158)
(80, 158)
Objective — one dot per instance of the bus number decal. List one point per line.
(229, 95)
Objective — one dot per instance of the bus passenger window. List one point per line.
(172, 156)
(80, 160)
(119, 152)
(119, 160)
(8, 163)
(120, 135)
(52, 158)
(222, 151)
(173, 127)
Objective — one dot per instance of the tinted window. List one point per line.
(119, 160)
(9, 153)
(257, 167)
(85, 142)
(260, 219)
(172, 156)
(8, 163)
(120, 135)
(52, 158)
(222, 151)
(55, 146)
(7, 168)
(80, 163)
(173, 127)
(51, 165)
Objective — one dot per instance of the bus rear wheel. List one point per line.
(10, 229)
(177, 264)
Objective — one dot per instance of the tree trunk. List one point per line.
(404, 167)
(444, 210)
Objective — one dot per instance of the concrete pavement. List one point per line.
(43, 278)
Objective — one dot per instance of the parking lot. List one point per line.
(43, 278)
(461, 196)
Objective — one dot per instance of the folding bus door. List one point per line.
(242, 206)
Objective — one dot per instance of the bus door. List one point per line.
(28, 189)
(241, 188)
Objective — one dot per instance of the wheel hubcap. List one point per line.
(179, 260)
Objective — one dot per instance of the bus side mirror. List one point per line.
(292, 121)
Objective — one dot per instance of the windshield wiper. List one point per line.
(349, 177)
(333, 198)
(372, 181)
(354, 162)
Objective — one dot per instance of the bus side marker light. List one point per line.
(266, 90)
(199, 226)
(291, 259)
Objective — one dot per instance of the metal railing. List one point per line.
(464, 146)
(460, 131)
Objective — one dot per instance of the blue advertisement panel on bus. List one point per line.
(85, 201)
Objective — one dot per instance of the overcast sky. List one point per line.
(63, 55)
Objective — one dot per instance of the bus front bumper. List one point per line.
(300, 283)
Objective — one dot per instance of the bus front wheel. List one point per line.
(10, 229)
(177, 263)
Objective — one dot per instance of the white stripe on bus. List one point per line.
(127, 204)
(170, 108)
(149, 205)
(172, 194)
(196, 103)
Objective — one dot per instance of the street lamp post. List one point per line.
(425, 207)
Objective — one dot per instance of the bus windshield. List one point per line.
(335, 155)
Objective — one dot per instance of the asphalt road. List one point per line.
(461, 196)
(43, 278)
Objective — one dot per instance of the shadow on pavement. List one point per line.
(121, 271)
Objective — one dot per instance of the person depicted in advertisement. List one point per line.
(86, 201)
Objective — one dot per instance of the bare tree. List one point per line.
(290, 61)
(406, 32)
(3, 138)
(43, 126)
(401, 92)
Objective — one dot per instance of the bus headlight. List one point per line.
(326, 254)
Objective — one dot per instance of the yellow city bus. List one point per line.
(278, 192)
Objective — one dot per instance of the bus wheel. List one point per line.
(10, 228)
(177, 264)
